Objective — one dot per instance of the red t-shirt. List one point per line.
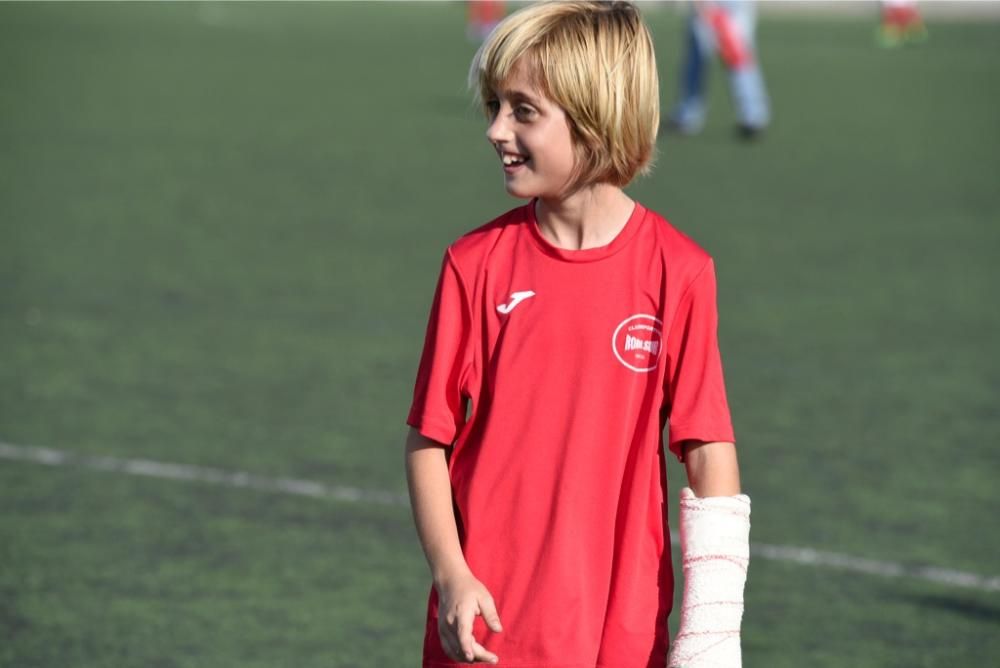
(571, 363)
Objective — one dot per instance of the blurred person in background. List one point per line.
(483, 16)
(901, 24)
(725, 27)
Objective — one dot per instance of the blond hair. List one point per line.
(596, 61)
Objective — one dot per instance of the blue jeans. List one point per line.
(746, 82)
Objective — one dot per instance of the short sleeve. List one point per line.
(438, 408)
(695, 389)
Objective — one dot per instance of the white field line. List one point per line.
(225, 478)
(188, 473)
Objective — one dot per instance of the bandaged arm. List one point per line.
(715, 528)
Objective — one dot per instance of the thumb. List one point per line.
(489, 613)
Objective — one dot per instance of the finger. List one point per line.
(489, 611)
(483, 654)
(465, 639)
(449, 637)
(450, 646)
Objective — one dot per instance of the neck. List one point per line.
(589, 218)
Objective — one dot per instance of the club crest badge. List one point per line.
(637, 342)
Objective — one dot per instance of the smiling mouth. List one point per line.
(513, 159)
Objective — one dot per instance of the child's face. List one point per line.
(527, 126)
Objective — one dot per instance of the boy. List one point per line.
(562, 337)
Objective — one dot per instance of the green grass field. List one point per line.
(220, 227)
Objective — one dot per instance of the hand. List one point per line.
(460, 599)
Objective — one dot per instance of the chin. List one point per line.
(519, 192)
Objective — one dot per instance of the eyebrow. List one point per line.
(520, 95)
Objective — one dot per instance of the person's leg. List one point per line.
(746, 80)
(901, 23)
(688, 115)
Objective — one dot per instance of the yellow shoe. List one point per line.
(888, 36)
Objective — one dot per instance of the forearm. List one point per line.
(715, 548)
(712, 468)
(431, 503)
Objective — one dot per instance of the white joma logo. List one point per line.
(515, 299)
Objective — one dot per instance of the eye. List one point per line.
(492, 107)
(524, 112)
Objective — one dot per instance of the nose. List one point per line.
(498, 131)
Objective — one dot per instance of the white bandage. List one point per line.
(715, 547)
